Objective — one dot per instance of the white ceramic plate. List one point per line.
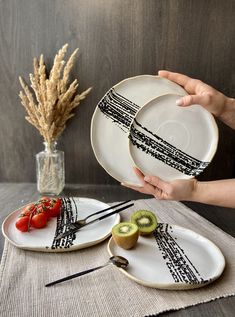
(74, 209)
(172, 258)
(172, 142)
(112, 118)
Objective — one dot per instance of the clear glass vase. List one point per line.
(50, 170)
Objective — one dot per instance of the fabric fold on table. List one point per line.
(106, 292)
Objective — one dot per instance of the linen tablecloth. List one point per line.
(106, 292)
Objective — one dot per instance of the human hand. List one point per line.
(218, 193)
(202, 94)
(175, 190)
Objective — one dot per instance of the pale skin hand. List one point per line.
(175, 190)
(220, 193)
(200, 93)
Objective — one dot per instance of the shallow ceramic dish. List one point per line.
(44, 239)
(112, 118)
(172, 142)
(172, 258)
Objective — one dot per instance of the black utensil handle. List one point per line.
(93, 221)
(74, 276)
(115, 206)
(115, 211)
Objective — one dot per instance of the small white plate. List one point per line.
(173, 258)
(172, 142)
(112, 118)
(74, 209)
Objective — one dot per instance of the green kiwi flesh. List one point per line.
(145, 220)
(125, 234)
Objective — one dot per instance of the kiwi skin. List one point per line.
(125, 241)
(145, 230)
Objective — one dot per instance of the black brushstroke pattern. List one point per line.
(68, 214)
(160, 149)
(180, 266)
(119, 109)
(122, 112)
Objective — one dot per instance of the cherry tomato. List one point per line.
(45, 201)
(39, 220)
(55, 207)
(41, 208)
(22, 223)
(37, 215)
(28, 210)
(50, 206)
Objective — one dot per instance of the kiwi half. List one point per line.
(145, 220)
(125, 234)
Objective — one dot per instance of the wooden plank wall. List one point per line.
(117, 39)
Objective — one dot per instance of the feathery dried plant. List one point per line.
(54, 98)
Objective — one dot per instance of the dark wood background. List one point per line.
(117, 39)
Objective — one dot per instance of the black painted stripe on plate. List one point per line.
(177, 261)
(122, 111)
(160, 149)
(65, 217)
(118, 108)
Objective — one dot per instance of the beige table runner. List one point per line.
(106, 292)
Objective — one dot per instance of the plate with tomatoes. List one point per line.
(37, 225)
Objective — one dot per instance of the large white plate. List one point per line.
(172, 258)
(112, 117)
(43, 239)
(172, 142)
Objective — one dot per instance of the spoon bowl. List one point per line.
(119, 261)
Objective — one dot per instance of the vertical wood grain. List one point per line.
(117, 39)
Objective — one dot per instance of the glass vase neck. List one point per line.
(50, 147)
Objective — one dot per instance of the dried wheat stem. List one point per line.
(54, 98)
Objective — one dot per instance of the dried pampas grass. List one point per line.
(54, 99)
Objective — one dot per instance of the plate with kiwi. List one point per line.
(165, 256)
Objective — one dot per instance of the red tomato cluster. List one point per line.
(36, 215)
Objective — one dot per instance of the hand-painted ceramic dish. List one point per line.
(172, 142)
(172, 258)
(44, 239)
(112, 118)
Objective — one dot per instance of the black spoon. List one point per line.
(116, 260)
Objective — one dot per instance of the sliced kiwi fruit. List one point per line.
(145, 220)
(125, 234)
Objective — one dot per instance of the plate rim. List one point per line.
(97, 109)
(212, 120)
(180, 285)
(43, 249)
